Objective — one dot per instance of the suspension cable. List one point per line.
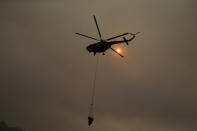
(91, 112)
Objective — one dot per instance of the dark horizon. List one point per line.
(4, 127)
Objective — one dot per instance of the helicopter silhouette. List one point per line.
(102, 45)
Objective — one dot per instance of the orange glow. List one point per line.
(118, 50)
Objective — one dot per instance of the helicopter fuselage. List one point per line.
(99, 47)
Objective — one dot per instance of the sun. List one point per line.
(118, 50)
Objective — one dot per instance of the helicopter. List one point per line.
(102, 45)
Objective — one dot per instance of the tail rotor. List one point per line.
(134, 34)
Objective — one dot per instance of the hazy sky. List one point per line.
(46, 74)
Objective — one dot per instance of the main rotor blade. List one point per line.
(116, 52)
(117, 36)
(97, 27)
(86, 36)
